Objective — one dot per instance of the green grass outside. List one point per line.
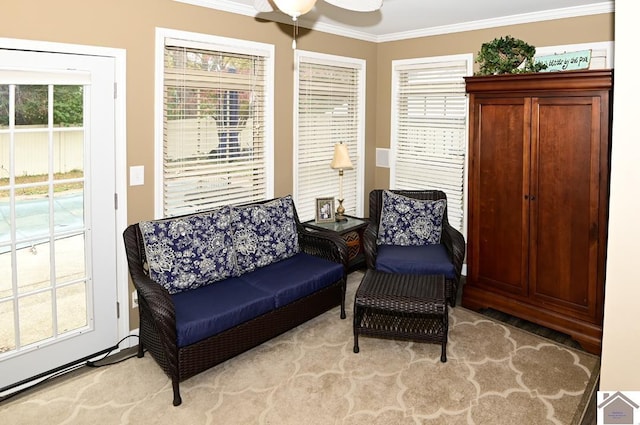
(43, 189)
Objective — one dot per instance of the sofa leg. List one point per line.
(140, 350)
(177, 400)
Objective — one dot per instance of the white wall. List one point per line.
(621, 339)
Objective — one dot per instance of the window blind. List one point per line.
(214, 144)
(429, 135)
(329, 105)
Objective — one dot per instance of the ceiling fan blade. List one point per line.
(263, 6)
(357, 5)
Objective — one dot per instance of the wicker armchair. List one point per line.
(451, 238)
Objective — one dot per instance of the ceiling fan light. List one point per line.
(295, 8)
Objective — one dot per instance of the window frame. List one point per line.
(357, 156)
(218, 43)
(393, 151)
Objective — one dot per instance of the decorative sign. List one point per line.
(566, 61)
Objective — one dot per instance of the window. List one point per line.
(329, 109)
(214, 138)
(429, 128)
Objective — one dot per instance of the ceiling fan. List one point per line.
(295, 8)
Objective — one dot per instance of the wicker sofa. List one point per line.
(214, 284)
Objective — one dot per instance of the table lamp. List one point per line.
(340, 162)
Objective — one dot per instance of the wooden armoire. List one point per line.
(538, 198)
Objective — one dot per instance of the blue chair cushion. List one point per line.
(295, 277)
(425, 259)
(211, 309)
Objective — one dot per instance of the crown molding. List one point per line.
(525, 18)
(547, 15)
(225, 5)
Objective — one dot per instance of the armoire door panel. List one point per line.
(564, 206)
(499, 208)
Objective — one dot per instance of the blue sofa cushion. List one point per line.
(184, 253)
(211, 309)
(426, 259)
(295, 277)
(264, 233)
(408, 221)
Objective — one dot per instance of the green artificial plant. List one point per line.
(505, 55)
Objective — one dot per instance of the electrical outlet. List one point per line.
(134, 299)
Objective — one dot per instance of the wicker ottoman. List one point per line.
(413, 307)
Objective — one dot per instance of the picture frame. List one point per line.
(325, 210)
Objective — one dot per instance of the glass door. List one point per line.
(58, 289)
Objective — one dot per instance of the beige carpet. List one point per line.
(495, 374)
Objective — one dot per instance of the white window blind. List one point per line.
(215, 150)
(429, 130)
(329, 110)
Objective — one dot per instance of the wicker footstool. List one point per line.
(390, 305)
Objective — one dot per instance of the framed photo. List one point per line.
(325, 210)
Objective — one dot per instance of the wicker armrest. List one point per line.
(453, 240)
(370, 246)
(153, 299)
(159, 303)
(324, 244)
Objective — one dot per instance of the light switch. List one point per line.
(136, 175)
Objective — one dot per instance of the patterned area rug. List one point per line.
(495, 374)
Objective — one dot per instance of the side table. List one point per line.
(351, 231)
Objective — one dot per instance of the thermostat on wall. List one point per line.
(382, 157)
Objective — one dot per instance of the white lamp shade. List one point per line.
(341, 159)
(295, 8)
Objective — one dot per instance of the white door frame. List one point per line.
(119, 55)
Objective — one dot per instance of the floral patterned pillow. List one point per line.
(189, 252)
(264, 233)
(409, 221)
